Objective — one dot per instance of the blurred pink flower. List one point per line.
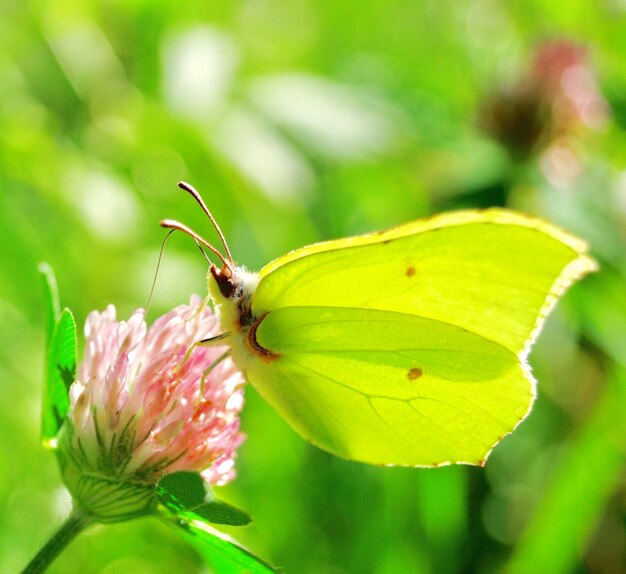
(149, 402)
(563, 74)
(548, 103)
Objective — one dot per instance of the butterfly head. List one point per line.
(224, 279)
(230, 286)
(232, 283)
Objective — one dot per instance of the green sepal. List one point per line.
(221, 553)
(60, 373)
(187, 494)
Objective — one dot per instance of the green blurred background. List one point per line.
(302, 121)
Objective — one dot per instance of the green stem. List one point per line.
(74, 523)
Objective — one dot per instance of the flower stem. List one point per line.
(73, 525)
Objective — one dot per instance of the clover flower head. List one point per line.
(147, 402)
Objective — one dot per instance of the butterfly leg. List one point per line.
(210, 342)
(214, 341)
(208, 370)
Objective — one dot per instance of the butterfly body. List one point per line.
(402, 347)
(231, 290)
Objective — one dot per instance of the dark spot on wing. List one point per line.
(410, 271)
(414, 373)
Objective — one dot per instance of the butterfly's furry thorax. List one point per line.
(231, 290)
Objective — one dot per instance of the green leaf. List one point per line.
(52, 299)
(182, 490)
(221, 552)
(219, 512)
(586, 477)
(187, 493)
(60, 373)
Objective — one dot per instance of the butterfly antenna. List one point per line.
(176, 225)
(156, 271)
(192, 191)
(203, 252)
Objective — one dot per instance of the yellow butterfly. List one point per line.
(401, 347)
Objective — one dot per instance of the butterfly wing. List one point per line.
(388, 388)
(494, 272)
(407, 347)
